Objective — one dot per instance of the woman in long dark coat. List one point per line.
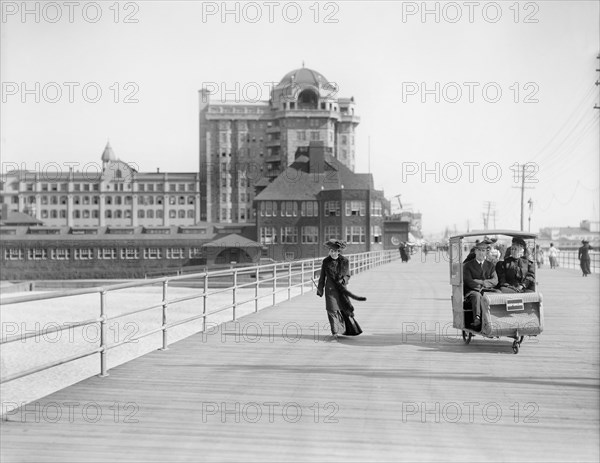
(335, 274)
(584, 257)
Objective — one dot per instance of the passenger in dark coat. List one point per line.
(479, 275)
(517, 272)
(335, 274)
(584, 257)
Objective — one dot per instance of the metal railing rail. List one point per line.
(285, 277)
(569, 259)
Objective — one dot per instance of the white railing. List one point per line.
(276, 278)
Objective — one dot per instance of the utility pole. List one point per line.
(522, 169)
(597, 81)
(488, 206)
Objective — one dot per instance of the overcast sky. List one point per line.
(514, 84)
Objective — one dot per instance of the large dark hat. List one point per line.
(517, 240)
(338, 245)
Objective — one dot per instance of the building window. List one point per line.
(375, 234)
(310, 235)
(152, 253)
(60, 254)
(107, 253)
(309, 209)
(130, 253)
(37, 254)
(332, 232)
(83, 254)
(376, 208)
(268, 235)
(289, 209)
(195, 253)
(355, 208)
(13, 254)
(174, 253)
(268, 208)
(332, 208)
(289, 235)
(355, 234)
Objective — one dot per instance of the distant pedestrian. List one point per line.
(584, 257)
(335, 275)
(539, 256)
(553, 255)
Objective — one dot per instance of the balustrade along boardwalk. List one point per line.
(271, 386)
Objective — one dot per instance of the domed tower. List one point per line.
(108, 155)
(308, 108)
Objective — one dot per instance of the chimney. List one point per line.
(316, 157)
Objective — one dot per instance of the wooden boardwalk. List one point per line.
(271, 388)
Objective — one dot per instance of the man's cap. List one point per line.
(518, 241)
(485, 244)
(338, 245)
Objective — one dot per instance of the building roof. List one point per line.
(233, 241)
(19, 218)
(297, 183)
(304, 76)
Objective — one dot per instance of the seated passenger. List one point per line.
(517, 272)
(479, 275)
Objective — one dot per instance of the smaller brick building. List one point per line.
(315, 199)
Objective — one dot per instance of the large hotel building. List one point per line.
(243, 147)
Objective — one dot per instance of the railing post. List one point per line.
(234, 291)
(302, 277)
(164, 316)
(274, 281)
(103, 367)
(256, 290)
(290, 281)
(204, 302)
